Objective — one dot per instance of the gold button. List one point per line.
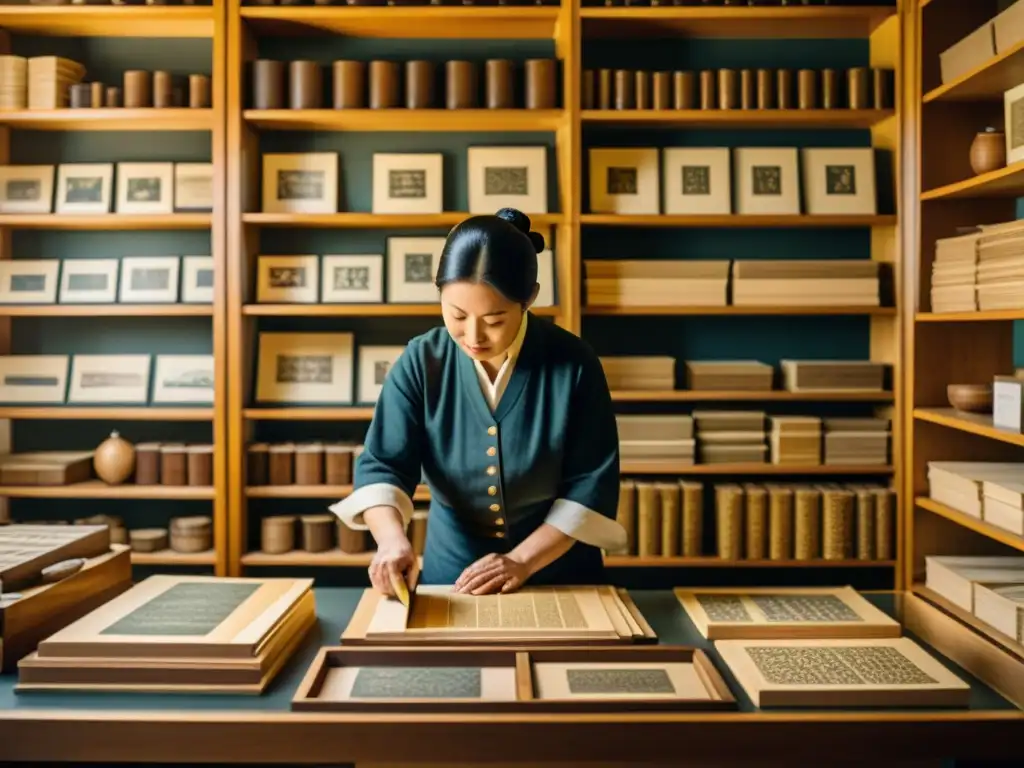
(491, 470)
(500, 521)
(492, 490)
(492, 431)
(491, 451)
(499, 535)
(495, 507)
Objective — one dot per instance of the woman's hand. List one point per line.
(394, 556)
(492, 573)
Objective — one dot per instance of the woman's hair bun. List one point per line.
(538, 241)
(521, 221)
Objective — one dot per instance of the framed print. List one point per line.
(88, 281)
(508, 177)
(412, 265)
(1013, 112)
(767, 181)
(84, 187)
(37, 379)
(149, 279)
(145, 187)
(407, 183)
(183, 379)
(545, 279)
(307, 368)
(624, 181)
(193, 186)
(109, 379)
(26, 188)
(374, 364)
(839, 181)
(197, 279)
(28, 281)
(300, 182)
(697, 180)
(349, 279)
(288, 279)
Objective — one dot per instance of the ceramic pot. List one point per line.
(988, 151)
(114, 459)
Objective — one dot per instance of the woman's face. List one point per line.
(482, 321)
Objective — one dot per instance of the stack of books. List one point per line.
(832, 376)
(960, 484)
(50, 79)
(988, 587)
(653, 283)
(954, 274)
(729, 376)
(857, 441)
(13, 82)
(805, 283)
(1001, 266)
(731, 437)
(796, 440)
(635, 372)
(652, 439)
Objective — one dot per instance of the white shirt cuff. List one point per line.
(586, 525)
(350, 509)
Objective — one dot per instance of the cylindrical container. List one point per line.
(693, 518)
(807, 524)
(829, 89)
(147, 464)
(148, 539)
(884, 523)
(807, 89)
(338, 464)
(461, 85)
(988, 151)
(419, 84)
(163, 90)
(836, 524)
(588, 90)
(757, 522)
(277, 534)
(200, 465)
(882, 87)
(318, 532)
(765, 89)
(661, 90)
(309, 464)
(268, 86)
(173, 464)
(671, 521)
(625, 96)
(384, 93)
(784, 89)
(780, 523)
(349, 541)
(642, 89)
(708, 97)
(857, 88)
(684, 90)
(191, 534)
(305, 86)
(137, 89)
(648, 520)
(257, 468)
(625, 513)
(282, 464)
(349, 84)
(748, 89)
(865, 525)
(728, 89)
(604, 89)
(541, 91)
(729, 521)
(97, 95)
(80, 96)
(198, 91)
(113, 97)
(499, 85)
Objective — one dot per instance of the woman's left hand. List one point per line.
(492, 573)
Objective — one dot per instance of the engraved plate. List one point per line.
(619, 681)
(194, 609)
(417, 683)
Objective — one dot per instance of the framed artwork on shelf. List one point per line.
(767, 181)
(26, 188)
(374, 364)
(352, 279)
(183, 379)
(697, 180)
(287, 279)
(28, 281)
(193, 186)
(508, 177)
(839, 181)
(112, 379)
(197, 279)
(38, 379)
(300, 182)
(149, 279)
(1013, 112)
(145, 188)
(84, 187)
(545, 279)
(89, 281)
(624, 180)
(307, 368)
(412, 266)
(407, 183)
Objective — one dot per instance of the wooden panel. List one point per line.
(958, 353)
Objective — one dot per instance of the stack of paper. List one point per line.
(806, 283)
(796, 440)
(953, 577)
(663, 282)
(1001, 266)
(959, 484)
(954, 274)
(50, 79)
(832, 376)
(634, 372)
(729, 375)
(652, 439)
(13, 82)
(857, 441)
(731, 437)
(1003, 503)
(1001, 607)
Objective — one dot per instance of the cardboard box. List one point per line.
(967, 54)
(1009, 27)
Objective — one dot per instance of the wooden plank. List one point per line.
(733, 221)
(1009, 538)
(975, 423)
(108, 21)
(406, 120)
(746, 118)
(116, 119)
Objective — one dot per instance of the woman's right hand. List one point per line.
(394, 555)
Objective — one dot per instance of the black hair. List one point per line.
(498, 250)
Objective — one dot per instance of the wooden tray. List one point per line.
(513, 680)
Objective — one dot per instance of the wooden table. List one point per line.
(227, 729)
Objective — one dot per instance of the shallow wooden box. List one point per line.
(515, 684)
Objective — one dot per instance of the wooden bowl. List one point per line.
(973, 398)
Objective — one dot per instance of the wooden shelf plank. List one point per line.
(108, 119)
(96, 489)
(1008, 643)
(170, 557)
(734, 221)
(315, 492)
(739, 118)
(107, 221)
(986, 82)
(106, 310)
(359, 310)
(422, 120)
(635, 561)
(733, 310)
(974, 423)
(108, 21)
(101, 413)
(313, 413)
(674, 468)
(1003, 182)
(374, 220)
(990, 315)
(300, 558)
(698, 396)
(1001, 535)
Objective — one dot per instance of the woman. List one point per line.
(511, 420)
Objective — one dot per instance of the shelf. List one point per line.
(108, 119)
(359, 310)
(779, 396)
(101, 413)
(974, 423)
(314, 413)
(734, 221)
(380, 120)
(375, 220)
(108, 21)
(672, 468)
(106, 310)
(508, 22)
(96, 489)
(315, 492)
(170, 557)
(1003, 536)
(820, 22)
(991, 315)
(107, 221)
(655, 561)
(738, 118)
(989, 81)
(1004, 182)
(738, 311)
(299, 558)
(1008, 643)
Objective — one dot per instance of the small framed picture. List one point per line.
(28, 281)
(300, 182)
(84, 187)
(407, 183)
(697, 180)
(840, 181)
(183, 379)
(26, 188)
(624, 181)
(288, 279)
(149, 279)
(767, 181)
(145, 188)
(37, 379)
(350, 279)
(374, 364)
(197, 279)
(109, 379)
(412, 266)
(310, 368)
(545, 279)
(193, 186)
(503, 177)
(1013, 113)
(89, 281)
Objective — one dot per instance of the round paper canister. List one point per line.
(460, 85)
(96, 99)
(499, 84)
(137, 89)
(829, 89)
(765, 89)
(541, 86)
(684, 90)
(268, 84)
(163, 89)
(661, 90)
(748, 89)
(708, 99)
(642, 89)
(604, 89)
(113, 97)
(80, 95)
(728, 89)
(198, 91)
(588, 90)
(349, 84)
(384, 84)
(784, 89)
(857, 86)
(807, 89)
(625, 96)
(305, 88)
(419, 84)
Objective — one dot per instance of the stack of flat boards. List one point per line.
(832, 376)
(531, 616)
(1003, 503)
(731, 437)
(635, 372)
(857, 441)
(661, 282)
(50, 79)
(960, 484)
(796, 440)
(664, 438)
(954, 274)
(179, 633)
(729, 376)
(13, 82)
(1001, 266)
(25, 550)
(953, 577)
(805, 283)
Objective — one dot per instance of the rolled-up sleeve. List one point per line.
(588, 495)
(389, 467)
